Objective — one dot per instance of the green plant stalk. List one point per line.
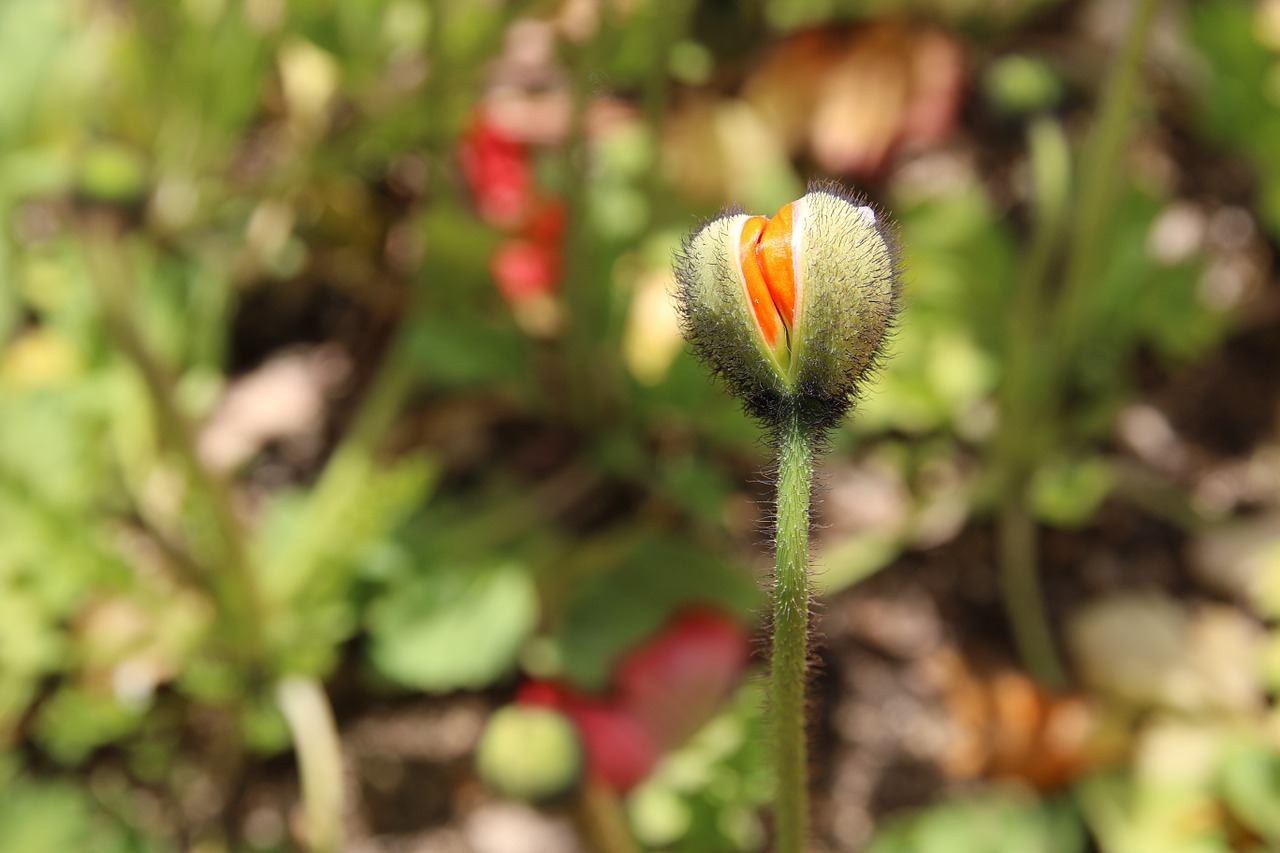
(789, 675)
(1099, 176)
(666, 26)
(601, 820)
(1032, 395)
(589, 356)
(581, 293)
(306, 710)
(228, 573)
(1022, 401)
(350, 465)
(1023, 595)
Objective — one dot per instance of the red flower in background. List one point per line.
(663, 691)
(499, 173)
(530, 265)
(678, 679)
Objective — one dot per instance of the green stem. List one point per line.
(228, 571)
(1024, 380)
(1100, 162)
(602, 821)
(666, 26)
(1023, 401)
(1037, 375)
(340, 485)
(590, 362)
(791, 635)
(306, 710)
(1023, 596)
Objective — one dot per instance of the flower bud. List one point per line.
(619, 749)
(531, 753)
(791, 309)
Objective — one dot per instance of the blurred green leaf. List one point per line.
(944, 359)
(37, 817)
(445, 353)
(992, 824)
(1251, 787)
(78, 720)
(1066, 492)
(310, 549)
(31, 32)
(453, 627)
(113, 173)
(1127, 812)
(529, 753)
(856, 558)
(1239, 102)
(1022, 84)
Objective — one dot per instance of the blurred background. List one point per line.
(346, 433)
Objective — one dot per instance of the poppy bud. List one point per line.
(531, 753)
(619, 750)
(791, 309)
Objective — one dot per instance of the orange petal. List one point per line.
(774, 251)
(757, 285)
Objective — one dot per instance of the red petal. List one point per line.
(524, 269)
(678, 680)
(498, 173)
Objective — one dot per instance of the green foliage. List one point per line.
(993, 824)
(959, 263)
(1067, 492)
(707, 794)
(190, 189)
(56, 816)
(453, 627)
(1238, 101)
(1250, 784)
(531, 754)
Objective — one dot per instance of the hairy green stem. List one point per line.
(791, 635)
